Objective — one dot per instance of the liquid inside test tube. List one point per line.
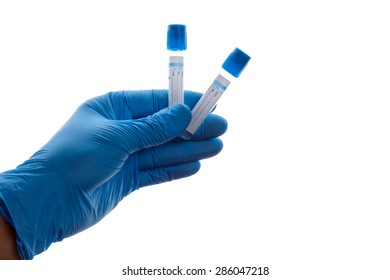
(234, 65)
(176, 41)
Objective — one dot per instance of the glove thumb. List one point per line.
(155, 129)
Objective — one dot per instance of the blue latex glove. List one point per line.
(111, 146)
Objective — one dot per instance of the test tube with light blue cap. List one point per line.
(176, 41)
(234, 65)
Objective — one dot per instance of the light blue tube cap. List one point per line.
(236, 62)
(177, 37)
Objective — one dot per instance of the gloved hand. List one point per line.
(111, 146)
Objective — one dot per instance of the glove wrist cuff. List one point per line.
(23, 204)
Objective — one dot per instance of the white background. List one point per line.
(302, 183)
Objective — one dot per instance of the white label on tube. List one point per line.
(176, 91)
(207, 103)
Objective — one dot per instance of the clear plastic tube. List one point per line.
(234, 65)
(206, 104)
(176, 41)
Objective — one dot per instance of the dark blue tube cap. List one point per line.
(177, 37)
(236, 62)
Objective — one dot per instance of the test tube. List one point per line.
(176, 41)
(234, 65)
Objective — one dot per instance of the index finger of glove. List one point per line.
(142, 103)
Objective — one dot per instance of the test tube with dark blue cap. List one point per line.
(176, 41)
(234, 65)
